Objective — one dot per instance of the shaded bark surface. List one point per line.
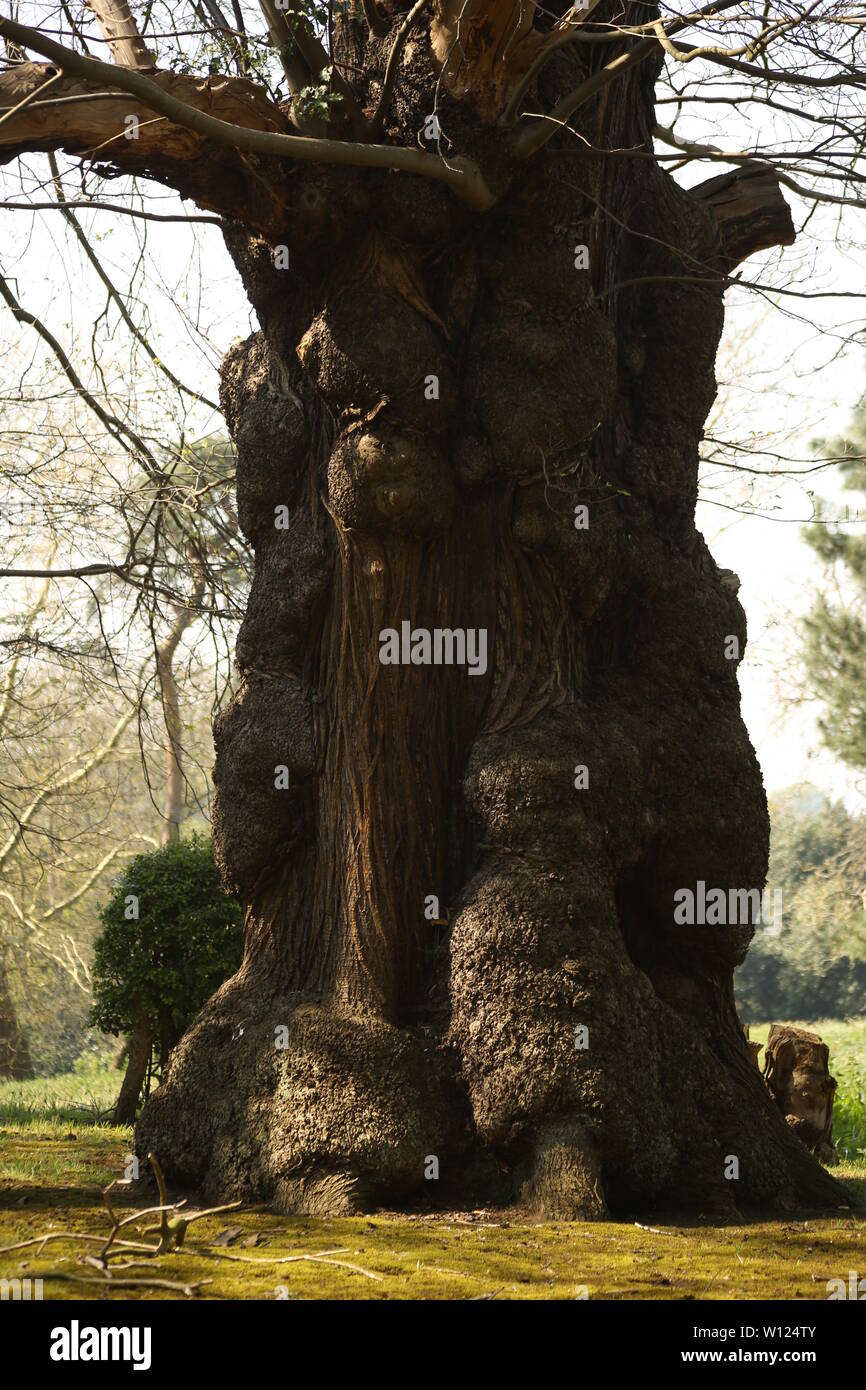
(359, 1038)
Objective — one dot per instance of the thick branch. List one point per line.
(119, 28)
(303, 41)
(296, 70)
(748, 206)
(483, 48)
(82, 119)
(375, 23)
(564, 32)
(94, 123)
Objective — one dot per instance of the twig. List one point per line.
(42, 1241)
(173, 1230)
(189, 1289)
(324, 1258)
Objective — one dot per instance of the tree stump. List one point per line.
(797, 1073)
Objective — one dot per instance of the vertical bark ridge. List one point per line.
(394, 740)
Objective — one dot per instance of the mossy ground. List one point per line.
(52, 1182)
(57, 1155)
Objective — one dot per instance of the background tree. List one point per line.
(483, 308)
(82, 713)
(194, 530)
(170, 936)
(812, 964)
(834, 651)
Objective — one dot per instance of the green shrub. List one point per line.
(170, 936)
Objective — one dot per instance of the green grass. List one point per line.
(87, 1094)
(57, 1154)
(54, 1131)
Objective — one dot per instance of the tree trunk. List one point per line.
(172, 811)
(472, 431)
(15, 1063)
(140, 1043)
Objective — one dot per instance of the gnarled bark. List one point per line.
(456, 509)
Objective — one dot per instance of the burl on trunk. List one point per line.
(459, 877)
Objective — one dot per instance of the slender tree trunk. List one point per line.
(172, 813)
(15, 1063)
(137, 1047)
(140, 1043)
(486, 424)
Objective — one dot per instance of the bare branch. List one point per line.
(296, 70)
(540, 131)
(460, 174)
(125, 436)
(184, 616)
(112, 207)
(71, 779)
(114, 294)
